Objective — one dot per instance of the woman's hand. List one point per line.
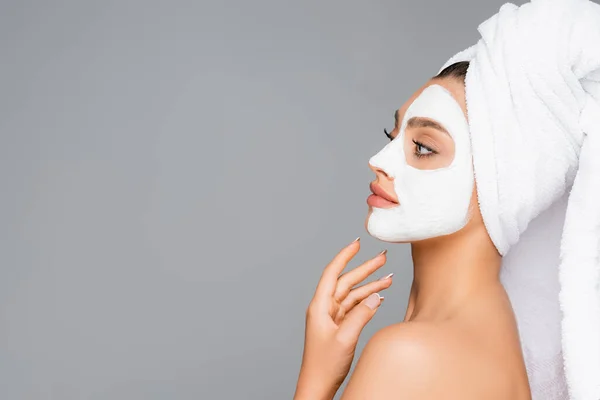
(335, 318)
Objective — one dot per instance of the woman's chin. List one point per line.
(382, 237)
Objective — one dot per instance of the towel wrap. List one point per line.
(533, 104)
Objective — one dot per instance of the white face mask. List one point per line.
(432, 202)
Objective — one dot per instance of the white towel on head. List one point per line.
(533, 104)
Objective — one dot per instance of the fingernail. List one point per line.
(373, 301)
(386, 277)
(383, 252)
(356, 240)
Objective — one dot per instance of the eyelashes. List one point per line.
(387, 134)
(418, 147)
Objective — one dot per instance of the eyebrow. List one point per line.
(420, 122)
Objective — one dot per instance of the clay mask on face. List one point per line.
(432, 202)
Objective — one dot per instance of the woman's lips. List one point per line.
(380, 198)
(378, 201)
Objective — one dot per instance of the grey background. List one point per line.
(175, 175)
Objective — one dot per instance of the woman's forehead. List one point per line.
(454, 86)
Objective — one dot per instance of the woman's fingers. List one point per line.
(357, 275)
(360, 293)
(357, 318)
(329, 278)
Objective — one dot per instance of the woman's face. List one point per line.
(426, 168)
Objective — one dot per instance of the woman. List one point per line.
(492, 175)
(459, 330)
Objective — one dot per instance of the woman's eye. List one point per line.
(422, 150)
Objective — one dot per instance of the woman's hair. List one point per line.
(458, 70)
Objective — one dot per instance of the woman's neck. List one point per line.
(449, 271)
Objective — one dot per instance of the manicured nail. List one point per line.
(356, 240)
(386, 277)
(383, 252)
(373, 301)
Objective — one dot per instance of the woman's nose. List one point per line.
(379, 171)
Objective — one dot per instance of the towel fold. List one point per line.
(533, 105)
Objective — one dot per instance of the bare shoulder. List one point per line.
(425, 361)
